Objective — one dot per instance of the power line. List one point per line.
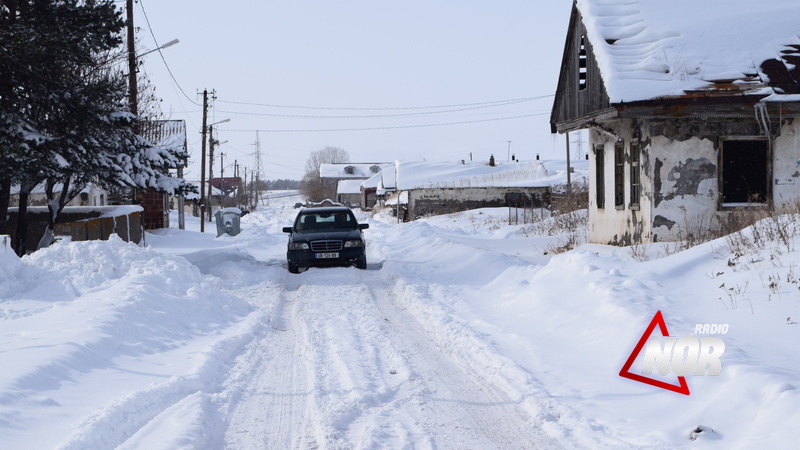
(158, 48)
(508, 101)
(301, 116)
(389, 128)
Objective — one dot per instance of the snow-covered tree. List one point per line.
(63, 106)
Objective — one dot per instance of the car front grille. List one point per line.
(326, 246)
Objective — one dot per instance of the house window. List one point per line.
(582, 64)
(619, 174)
(635, 178)
(600, 179)
(744, 165)
(350, 170)
(374, 169)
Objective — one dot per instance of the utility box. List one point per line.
(228, 221)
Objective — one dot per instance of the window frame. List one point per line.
(635, 177)
(619, 174)
(721, 167)
(600, 182)
(583, 63)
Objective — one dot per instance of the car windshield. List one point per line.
(326, 220)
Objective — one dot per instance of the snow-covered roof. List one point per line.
(388, 181)
(350, 170)
(654, 48)
(373, 182)
(349, 187)
(427, 175)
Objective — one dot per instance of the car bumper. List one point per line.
(307, 258)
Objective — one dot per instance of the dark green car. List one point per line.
(328, 236)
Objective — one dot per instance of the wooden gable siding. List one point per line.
(572, 102)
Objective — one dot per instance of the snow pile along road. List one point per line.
(464, 332)
(101, 337)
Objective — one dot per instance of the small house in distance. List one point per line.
(432, 188)
(349, 176)
(349, 192)
(692, 109)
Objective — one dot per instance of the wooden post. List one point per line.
(203, 165)
(569, 175)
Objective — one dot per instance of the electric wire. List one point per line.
(507, 101)
(301, 116)
(387, 128)
(158, 48)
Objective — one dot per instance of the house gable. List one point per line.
(581, 92)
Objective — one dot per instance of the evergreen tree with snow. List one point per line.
(64, 119)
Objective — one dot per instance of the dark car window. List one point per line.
(326, 220)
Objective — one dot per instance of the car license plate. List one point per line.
(327, 255)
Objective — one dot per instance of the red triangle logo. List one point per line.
(658, 320)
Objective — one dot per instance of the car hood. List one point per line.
(313, 235)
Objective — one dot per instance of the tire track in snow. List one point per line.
(495, 415)
(378, 381)
(273, 407)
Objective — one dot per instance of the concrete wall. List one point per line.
(423, 202)
(349, 199)
(680, 177)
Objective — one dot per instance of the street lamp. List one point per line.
(168, 44)
(203, 174)
(133, 91)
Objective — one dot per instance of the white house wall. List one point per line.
(786, 165)
(627, 224)
(685, 188)
(680, 178)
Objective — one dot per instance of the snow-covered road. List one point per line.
(344, 365)
(464, 332)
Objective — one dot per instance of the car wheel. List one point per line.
(293, 268)
(361, 264)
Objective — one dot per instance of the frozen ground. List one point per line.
(461, 334)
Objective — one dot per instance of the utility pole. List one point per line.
(203, 165)
(223, 195)
(246, 191)
(210, 166)
(181, 202)
(133, 90)
(569, 176)
(259, 171)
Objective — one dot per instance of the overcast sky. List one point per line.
(390, 73)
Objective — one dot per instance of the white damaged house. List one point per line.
(692, 110)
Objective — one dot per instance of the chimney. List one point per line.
(491, 160)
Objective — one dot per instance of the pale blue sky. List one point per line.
(360, 54)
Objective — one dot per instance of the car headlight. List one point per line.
(298, 246)
(353, 244)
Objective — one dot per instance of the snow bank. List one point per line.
(106, 344)
(143, 327)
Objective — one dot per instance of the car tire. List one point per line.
(361, 264)
(293, 268)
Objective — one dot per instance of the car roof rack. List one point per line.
(327, 203)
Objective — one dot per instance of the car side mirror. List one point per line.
(287, 229)
(363, 226)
